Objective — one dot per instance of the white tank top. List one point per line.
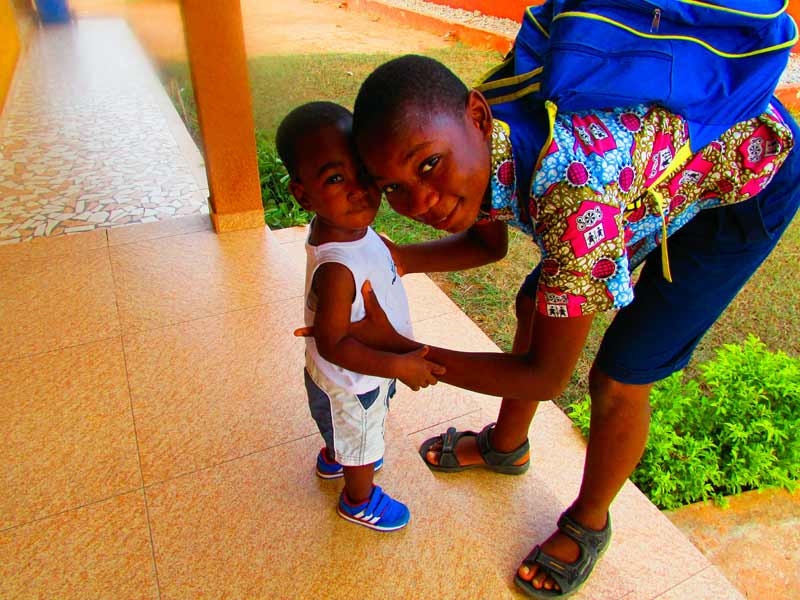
(367, 258)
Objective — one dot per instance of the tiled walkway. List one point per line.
(89, 139)
(157, 442)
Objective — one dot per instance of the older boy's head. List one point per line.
(425, 138)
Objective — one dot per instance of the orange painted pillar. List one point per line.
(9, 48)
(218, 62)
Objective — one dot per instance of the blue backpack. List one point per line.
(714, 63)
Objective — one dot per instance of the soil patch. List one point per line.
(276, 28)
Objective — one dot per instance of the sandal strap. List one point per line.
(447, 457)
(567, 575)
(592, 540)
(493, 457)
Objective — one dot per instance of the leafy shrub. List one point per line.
(280, 208)
(736, 429)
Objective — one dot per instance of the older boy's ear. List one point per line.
(299, 193)
(479, 112)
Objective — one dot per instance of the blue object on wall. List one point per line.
(53, 11)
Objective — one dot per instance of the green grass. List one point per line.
(280, 83)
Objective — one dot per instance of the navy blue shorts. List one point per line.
(711, 258)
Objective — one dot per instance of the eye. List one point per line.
(389, 189)
(429, 163)
(333, 179)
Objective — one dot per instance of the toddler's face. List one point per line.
(434, 169)
(331, 181)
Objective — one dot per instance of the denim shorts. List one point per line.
(352, 425)
(711, 258)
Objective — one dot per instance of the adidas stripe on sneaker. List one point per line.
(379, 512)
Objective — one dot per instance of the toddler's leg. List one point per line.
(358, 483)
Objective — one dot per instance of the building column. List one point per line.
(218, 62)
(9, 48)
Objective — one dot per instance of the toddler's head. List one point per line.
(315, 144)
(425, 140)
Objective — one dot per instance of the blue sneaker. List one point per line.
(330, 469)
(380, 512)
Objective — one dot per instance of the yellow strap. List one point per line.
(681, 156)
(552, 110)
(685, 38)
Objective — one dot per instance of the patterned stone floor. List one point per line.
(89, 138)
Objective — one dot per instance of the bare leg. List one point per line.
(358, 482)
(617, 437)
(515, 415)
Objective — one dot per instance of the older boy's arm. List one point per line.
(542, 374)
(477, 246)
(335, 290)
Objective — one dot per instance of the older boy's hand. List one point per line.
(397, 256)
(374, 330)
(416, 372)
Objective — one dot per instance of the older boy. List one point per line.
(597, 198)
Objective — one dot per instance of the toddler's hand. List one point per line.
(417, 372)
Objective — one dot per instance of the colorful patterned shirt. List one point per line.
(589, 209)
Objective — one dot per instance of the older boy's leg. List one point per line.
(618, 433)
(515, 415)
(712, 257)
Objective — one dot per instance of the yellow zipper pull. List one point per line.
(656, 20)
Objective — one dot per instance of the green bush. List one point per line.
(737, 428)
(280, 208)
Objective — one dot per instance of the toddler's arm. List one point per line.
(475, 247)
(335, 290)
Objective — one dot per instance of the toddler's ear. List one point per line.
(299, 193)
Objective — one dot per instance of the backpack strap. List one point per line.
(681, 156)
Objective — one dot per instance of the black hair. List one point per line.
(410, 84)
(303, 120)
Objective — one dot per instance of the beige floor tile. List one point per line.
(49, 303)
(175, 279)
(51, 247)
(652, 554)
(507, 515)
(99, 551)
(455, 331)
(414, 411)
(217, 388)
(159, 229)
(648, 555)
(425, 299)
(291, 234)
(265, 526)
(710, 584)
(295, 252)
(442, 402)
(68, 431)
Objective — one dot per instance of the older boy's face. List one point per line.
(434, 169)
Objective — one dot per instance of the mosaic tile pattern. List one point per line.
(85, 141)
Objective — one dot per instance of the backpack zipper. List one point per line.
(656, 23)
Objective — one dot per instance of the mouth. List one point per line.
(444, 222)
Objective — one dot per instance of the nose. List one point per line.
(357, 190)
(421, 199)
